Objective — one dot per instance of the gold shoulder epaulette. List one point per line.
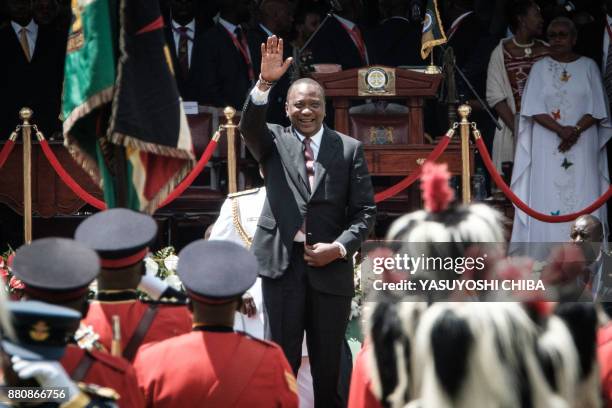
(101, 392)
(243, 193)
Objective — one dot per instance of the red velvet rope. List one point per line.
(6, 151)
(408, 180)
(68, 180)
(210, 149)
(524, 207)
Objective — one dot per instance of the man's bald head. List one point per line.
(587, 228)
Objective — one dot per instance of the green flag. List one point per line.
(433, 31)
(88, 86)
(124, 120)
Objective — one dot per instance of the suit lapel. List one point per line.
(296, 167)
(327, 152)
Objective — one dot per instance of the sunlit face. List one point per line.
(305, 108)
(587, 235)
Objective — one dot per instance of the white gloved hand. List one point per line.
(152, 286)
(49, 374)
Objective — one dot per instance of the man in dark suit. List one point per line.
(184, 35)
(397, 40)
(274, 19)
(340, 40)
(228, 70)
(32, 70)
(319, 209)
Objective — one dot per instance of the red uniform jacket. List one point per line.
(107, 371)
(604, 355)
(360, 395)
(220, 369)
(169, 321)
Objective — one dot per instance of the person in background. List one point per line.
(396, 40)
(508, 70)
(341, 40)
(273, 18)
(184, 35)
(32, 72)
(560, 161)
(228, 72)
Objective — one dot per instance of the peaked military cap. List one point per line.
(56, 269)
(42, 330)
(121, 237)
(216, 271)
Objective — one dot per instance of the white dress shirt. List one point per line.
(31, 32)
(190, 35)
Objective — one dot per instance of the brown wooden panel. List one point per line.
(404, 159)
(50, 196)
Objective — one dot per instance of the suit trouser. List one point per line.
(293, 307)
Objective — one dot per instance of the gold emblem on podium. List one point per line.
(376, 81)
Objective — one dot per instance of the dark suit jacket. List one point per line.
(225, 73)
(590, 40)
(341, 207)
(472, 45)
(36, 84)
(278, 94)
(191, 88)
(396, 41)
(333, 45)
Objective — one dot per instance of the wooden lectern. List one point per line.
(394, 144)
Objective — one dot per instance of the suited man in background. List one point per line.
(32, 70)
(340, 40)
(228, 70)
(184, 35)
(397, 40)
(274, 18)
(318, 210)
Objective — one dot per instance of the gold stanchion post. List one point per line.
(230, 129)
(464, 112)
(26, 114)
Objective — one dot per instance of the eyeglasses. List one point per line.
(558, 34)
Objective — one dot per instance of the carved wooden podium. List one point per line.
(394, 144)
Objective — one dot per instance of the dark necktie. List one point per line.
(607, 78)
(183, 51)
(309, 160)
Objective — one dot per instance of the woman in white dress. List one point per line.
(560, 164)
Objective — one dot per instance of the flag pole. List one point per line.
(432, 68)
